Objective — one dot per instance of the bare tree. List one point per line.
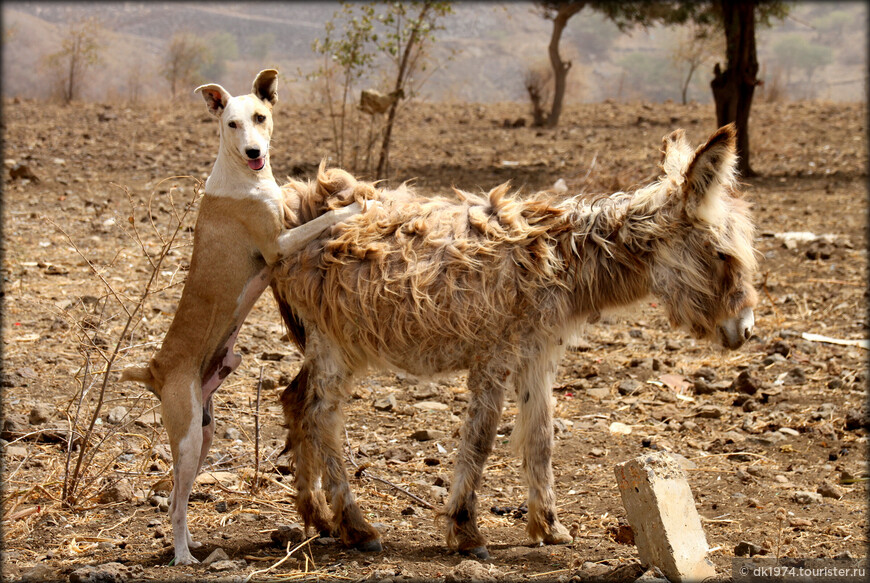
(185, 56)
(559, 13)
(696, 45)
(80, 50)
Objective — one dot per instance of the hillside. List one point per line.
(492, 46)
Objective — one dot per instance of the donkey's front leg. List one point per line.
(487, 384)
(533, 437)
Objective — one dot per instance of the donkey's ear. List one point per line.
(710, 174)
(676, 153)
(266, 86)
(216, 98)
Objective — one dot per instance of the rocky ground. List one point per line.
(772, 438)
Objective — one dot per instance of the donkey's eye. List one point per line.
(232, 124)
(260, 118)
(722, 256)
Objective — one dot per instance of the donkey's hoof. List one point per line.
(479, 552)
(558, 536)
(371, 546)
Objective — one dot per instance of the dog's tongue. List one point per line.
(257, 164)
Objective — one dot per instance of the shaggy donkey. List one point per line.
(499, 286)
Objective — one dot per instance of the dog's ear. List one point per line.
(216, 98)
(266, 86)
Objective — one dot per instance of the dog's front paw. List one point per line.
(184, 559)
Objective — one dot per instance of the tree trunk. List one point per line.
(560, 67)
(383, 159)
(734, 87)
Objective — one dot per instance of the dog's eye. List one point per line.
(260, 118)
(232, 124)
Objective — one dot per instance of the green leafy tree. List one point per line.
(393, 37)
(185, 57)
(792, 51)
(222, 48)
(261, 45)
(623, 14)
(80, 50)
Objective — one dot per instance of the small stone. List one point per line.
(220, 506)
(789, 431)
(284, 463)
(835, 383)
(116, 414)
(272, 356)
(799, 523)
(431, 406)
(829, 490)
(427, 435)
(288, 533)
(409, 511)
(598, 392)
(702, 387)
(748, 549)
(161, 502)
(247, 517)
(39, 572)
(803, 497)
(470, 570)
(387, 403)
(232, 434)
(795, 376)
(121, 491)
(706, 373)
(709, 412)
(629, 387)
(150, 419)
(635, 333)
(597, 452)
(779, 347)
(15, 451)
(744, 383)
(855, 419)
(106, 573)
(40, 414)
(227, 565)
(216, 555)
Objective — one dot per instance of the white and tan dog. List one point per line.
(239, 236)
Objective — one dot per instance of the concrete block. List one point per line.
(661, 511)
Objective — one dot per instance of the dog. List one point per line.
(239, 235)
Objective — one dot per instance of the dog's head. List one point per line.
(246, 121)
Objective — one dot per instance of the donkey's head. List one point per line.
(706, 265)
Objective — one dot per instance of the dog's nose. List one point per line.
(253, 153)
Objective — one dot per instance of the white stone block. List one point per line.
(661, 511)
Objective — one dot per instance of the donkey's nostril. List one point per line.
(747, 332)
(253, 153)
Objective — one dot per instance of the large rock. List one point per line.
(660, 508)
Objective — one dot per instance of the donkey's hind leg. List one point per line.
(487, 384)
(533, 437)
(310, 501)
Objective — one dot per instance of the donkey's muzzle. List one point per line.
(735, 331)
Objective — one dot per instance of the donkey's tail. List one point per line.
(295, 328)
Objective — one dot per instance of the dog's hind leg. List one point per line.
(182, 415)
(487, 384)
(533, 437)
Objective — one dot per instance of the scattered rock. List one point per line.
(427, 435)
(598, 392)
(855, 419)
(15, 451)
(227, 565)
(829, 490)
(116, 414)
(387, 403)
(748, 549)
(38, 573)
(288, 533)
(221, 506)
(629, 387)
(216, 555)
(744, 383)
(120, 491)
(597, 452)
(799, 523)
(431, 406)
(161, 502)
(232, 434)
(272, 356)
(709, 412)
(795, 376)
(284, 463)
(40, 413)
(22, 171)
(779, 347)
(409, 511)
(106, 573)
(150, 419)
(804, 497)
(471, 571)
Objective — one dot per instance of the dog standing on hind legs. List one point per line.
(239, 235)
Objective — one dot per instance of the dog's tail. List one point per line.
(140, 374)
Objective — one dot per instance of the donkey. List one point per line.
(499, 286)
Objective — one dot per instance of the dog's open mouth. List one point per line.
(257, 164)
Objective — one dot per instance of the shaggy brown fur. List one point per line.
(498, 286)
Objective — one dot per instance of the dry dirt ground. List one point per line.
(799, 443)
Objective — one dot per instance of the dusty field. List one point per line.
(746, 458)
